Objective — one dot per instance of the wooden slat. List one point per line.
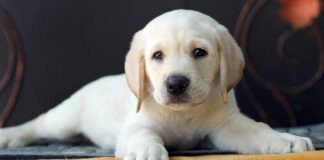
(313, 155)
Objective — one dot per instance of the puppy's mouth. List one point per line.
(182, 102)
(191, 97)
(178, 100)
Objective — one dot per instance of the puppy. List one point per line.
(178, 89)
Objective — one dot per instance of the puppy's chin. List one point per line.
(182, 106)
(179, 107)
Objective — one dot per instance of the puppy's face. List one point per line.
(181, 63)
(182, 57)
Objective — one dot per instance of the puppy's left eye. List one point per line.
(198, 53)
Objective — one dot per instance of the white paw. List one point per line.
(150, 151)
(285, 143)
(12, 138)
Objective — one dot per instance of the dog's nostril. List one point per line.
(177, 84)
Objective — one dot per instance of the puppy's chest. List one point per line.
(179, 136)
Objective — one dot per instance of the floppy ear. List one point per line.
(231, 61)
(135, 69)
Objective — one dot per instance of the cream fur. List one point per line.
(105, 110)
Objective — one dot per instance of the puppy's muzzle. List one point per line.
(177, 84)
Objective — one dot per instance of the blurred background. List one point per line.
(49, 49)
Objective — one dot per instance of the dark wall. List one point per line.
(70, 43)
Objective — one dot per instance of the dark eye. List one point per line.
(198, 52)
(158, 55)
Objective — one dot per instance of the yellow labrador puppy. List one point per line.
(178, 89)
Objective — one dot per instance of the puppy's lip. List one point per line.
(178, 100)
(183, 100)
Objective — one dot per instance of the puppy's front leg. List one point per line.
(138, 142)
(241, 134)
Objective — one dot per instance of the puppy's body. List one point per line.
(185, 127)
(179, 70)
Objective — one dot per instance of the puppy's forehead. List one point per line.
(179, 26)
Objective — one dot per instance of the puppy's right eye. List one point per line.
(158, 55)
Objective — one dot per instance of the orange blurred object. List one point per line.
(300, 13)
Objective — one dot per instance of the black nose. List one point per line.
(177, 84)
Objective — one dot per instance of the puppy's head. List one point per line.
(182, 57)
